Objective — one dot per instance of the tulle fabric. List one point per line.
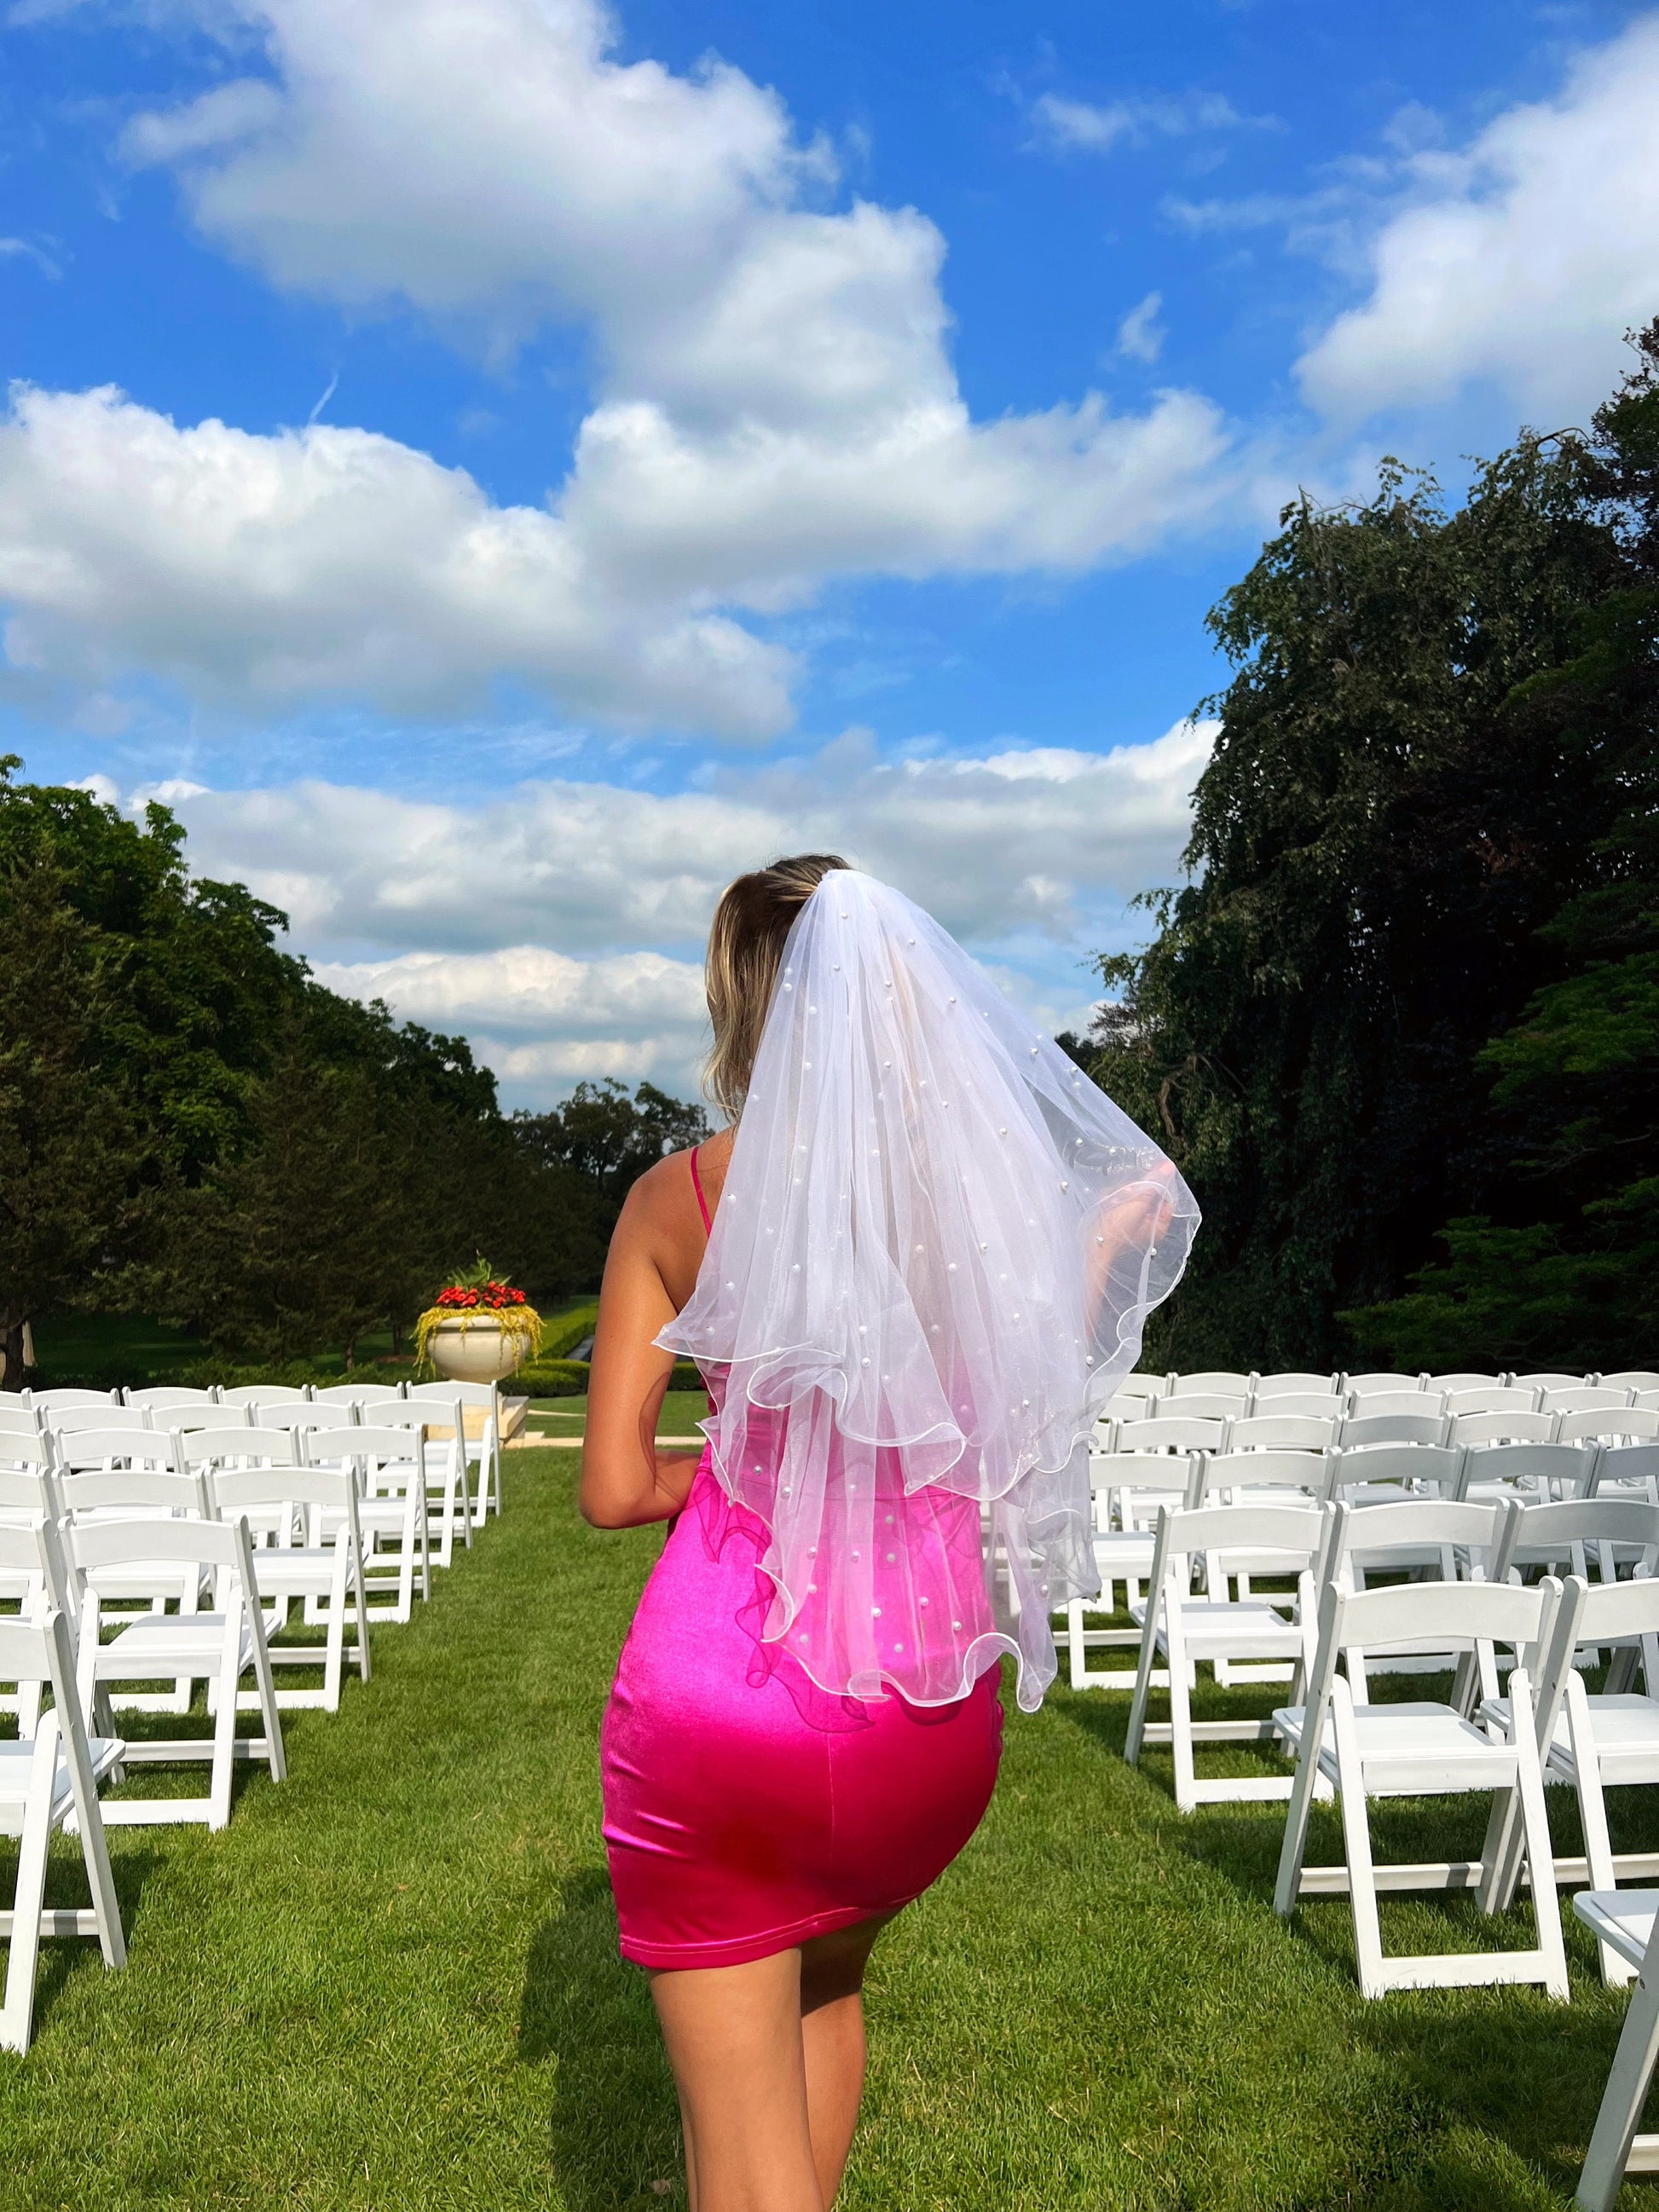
(931, 1267)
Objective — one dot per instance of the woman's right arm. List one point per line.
(626, 1480)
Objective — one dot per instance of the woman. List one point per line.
(912, 1270)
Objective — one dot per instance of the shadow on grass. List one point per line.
(614, 2127)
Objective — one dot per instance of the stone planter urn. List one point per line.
(474, 1347)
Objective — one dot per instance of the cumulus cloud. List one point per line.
(775, 404)
(541, 1020)
(1518, 261)
(560, 926)
(266, 571)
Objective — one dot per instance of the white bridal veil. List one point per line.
(932, 1262)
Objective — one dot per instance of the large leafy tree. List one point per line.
(189, 1123)
(1562, 1264)
(1378, 841)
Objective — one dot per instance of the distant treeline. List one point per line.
(190, 1124)
(1401, 1029)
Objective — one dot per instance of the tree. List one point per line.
(1562, 1265)
(68, 1150)
(1376, 843)
(609, 1138)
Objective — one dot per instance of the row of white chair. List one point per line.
(171, 1406)
(1544, 1725)
(137, 1558)
(1212, 1428)
(1129, 1489)
(1232, 1382)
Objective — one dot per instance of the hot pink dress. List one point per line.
(746, 1810)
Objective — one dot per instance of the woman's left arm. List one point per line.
(626, 1479)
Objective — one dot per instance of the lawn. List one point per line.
(568, 1417)
(393, 1982)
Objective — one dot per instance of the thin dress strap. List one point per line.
(696, 1185)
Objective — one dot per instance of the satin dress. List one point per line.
(746, 1810)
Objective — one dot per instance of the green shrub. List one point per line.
(561, 1337)
(549, 1378)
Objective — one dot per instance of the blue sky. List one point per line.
(498, 469)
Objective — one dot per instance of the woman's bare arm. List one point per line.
(626, 1479)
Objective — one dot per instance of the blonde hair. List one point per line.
(740, 972)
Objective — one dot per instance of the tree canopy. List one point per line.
(1400, 1027)
(191, 1124)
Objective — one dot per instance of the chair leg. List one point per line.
(1545, 1904)
(1622, 2101)
(359, 1606)
(1593, 1814)
(1180, 1713)
(1294, 1850)
(1137, 1729)
(224, 1719)
(265, 1683)
(1356, 1841)
(17, 2016)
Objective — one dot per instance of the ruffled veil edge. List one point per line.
(930, 1269)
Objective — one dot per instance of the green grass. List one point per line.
(393, 1983)
(568, 1417)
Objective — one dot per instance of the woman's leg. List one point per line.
(832, 2040)
(734, 2041)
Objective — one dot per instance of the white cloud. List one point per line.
(1079, 126)
(775, 404)
(1518, 262)
(560, 926)
(264, 571)
(1140, 335)
(541, 1020)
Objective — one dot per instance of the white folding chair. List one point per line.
(47, 1783)
(1629, 1470)
(339, 1395)
(255, 1395)
(1421, 1750)
(52, 1401)
(1383, 1473)
(1433, 1538)
(1170, 1433)
(1532, 1474)
(1462, 1382)
(77, 1421)
(1201, 1406)
(290, 1410)
(17, 1419)
(1639, 1379)
(324, 1573)
(1488, 1398)
(1289, 1384)
(1361, 1430)
(482, 1439)
(388, 1466)
(1367, 1386)
(1516, 1424)
(1595, 1741)
(1585, 1398)
(1622, 1922)
(1284, 1432)
(171, 1397)
(1127, 1489)
(128, 1473)
(1212, 1383)
(1187, 1629)
(1386, 1405)
(221, 1647)
(448, 1512)
(1552, 1379)
(1613, 1426)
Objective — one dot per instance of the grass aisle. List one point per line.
(393, 1982)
